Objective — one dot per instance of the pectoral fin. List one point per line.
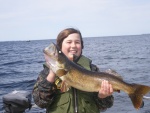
(64, 87)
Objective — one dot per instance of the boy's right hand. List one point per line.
(51, 76)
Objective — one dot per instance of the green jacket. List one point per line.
(48, 95)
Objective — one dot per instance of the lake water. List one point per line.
(21, 61)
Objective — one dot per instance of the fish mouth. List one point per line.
(51, 55)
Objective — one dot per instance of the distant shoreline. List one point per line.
(83, 37)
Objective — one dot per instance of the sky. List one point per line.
(44, 19)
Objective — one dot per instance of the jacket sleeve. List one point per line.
(43, 91)
(105, 103)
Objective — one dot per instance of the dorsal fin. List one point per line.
(64, 86)
(113, 73)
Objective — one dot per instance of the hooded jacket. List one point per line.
(49, 95)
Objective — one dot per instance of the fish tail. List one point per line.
(137, 95)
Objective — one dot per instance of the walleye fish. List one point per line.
(85, 80)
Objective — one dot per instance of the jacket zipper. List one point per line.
(75, 92)
(75, 100)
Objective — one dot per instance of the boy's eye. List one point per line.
(78, 42)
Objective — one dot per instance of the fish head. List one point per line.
(55, 59)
